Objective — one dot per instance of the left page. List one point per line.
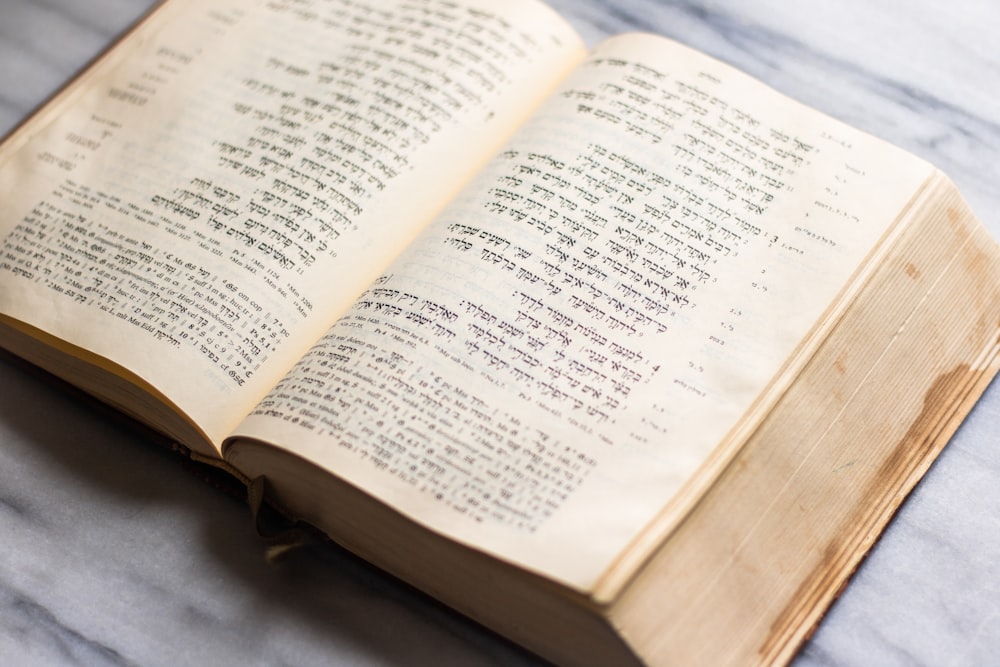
(199, 206)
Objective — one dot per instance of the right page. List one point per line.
(557, 369)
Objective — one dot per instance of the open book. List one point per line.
(621, 353)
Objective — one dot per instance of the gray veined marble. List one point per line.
(113, 556)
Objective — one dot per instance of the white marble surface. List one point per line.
(112, 555)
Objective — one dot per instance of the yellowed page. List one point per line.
(201, 207)
(568, 344)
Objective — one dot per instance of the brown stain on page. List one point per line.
(953, 215)
(873, 510)
(840, 365)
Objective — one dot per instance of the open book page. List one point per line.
(568, 344)
(201, 206)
